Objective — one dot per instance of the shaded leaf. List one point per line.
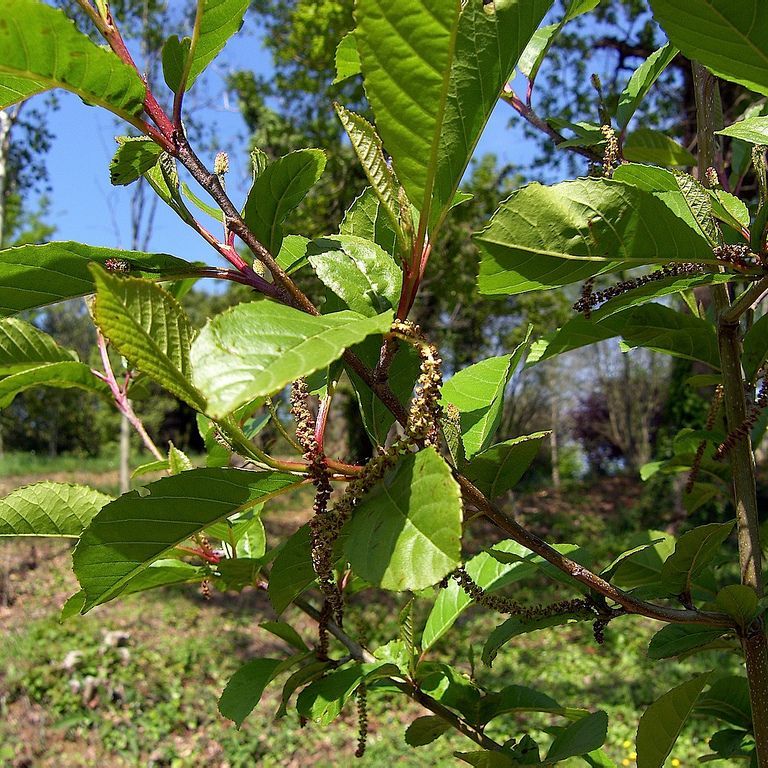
(739, 601)
(648, 146)
(676, 639)
(579, 738)
(662, 722)
(139, 527)
(425, 730)
(65, 375)
(24, 346)
(33, 276)
(726, 37)
(496, 470)
(727, 699)
(244, 689)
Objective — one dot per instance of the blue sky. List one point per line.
(87, 208)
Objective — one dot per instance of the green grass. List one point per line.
(153, 702)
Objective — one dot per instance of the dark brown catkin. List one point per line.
(362, 720)
(591, 299)
(746, 426)
(512, 607)
(714, 407)
(322, 526)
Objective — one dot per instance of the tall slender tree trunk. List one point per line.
(753, 636)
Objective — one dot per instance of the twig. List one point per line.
(120, 397)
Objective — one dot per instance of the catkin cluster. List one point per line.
(739, 256)
(591, 299)
(323, 532)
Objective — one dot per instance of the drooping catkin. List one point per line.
(745, 427)
(714, 407)
(362, 720)
(591, 299)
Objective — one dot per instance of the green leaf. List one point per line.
(278, 191)
(755, 348)
(694, 551)
(641, 81)
(347, 58)
(323, 700)
(285, 632)
(739, 601)
(368, 148)
(149, 328)
(178, 461)
(23, 346)
(753, 130)
(293, 253)
(514, 627)
(292, 571)
(303, 676)
(215, 22)
(425, 730)
(49, 509)
(547, 237)
(139, 527)
(64, 375)
(725, 36)
(516, 698)
(648, 146)
(579, 738)
(360, 273)
(535, 52)
(244, 689)
(654, 326)
(403, 371)
(406, 532)
(643, 568)
(34, 276)
(699, 202)
(662, 722)
(676, 639)
(462, 56)
(499, 468)
(134, 157)
(478, 392)
(174, 59)
(488, 759)
(257, 348)
(728, 700)
(40, 49)
(368, 219)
